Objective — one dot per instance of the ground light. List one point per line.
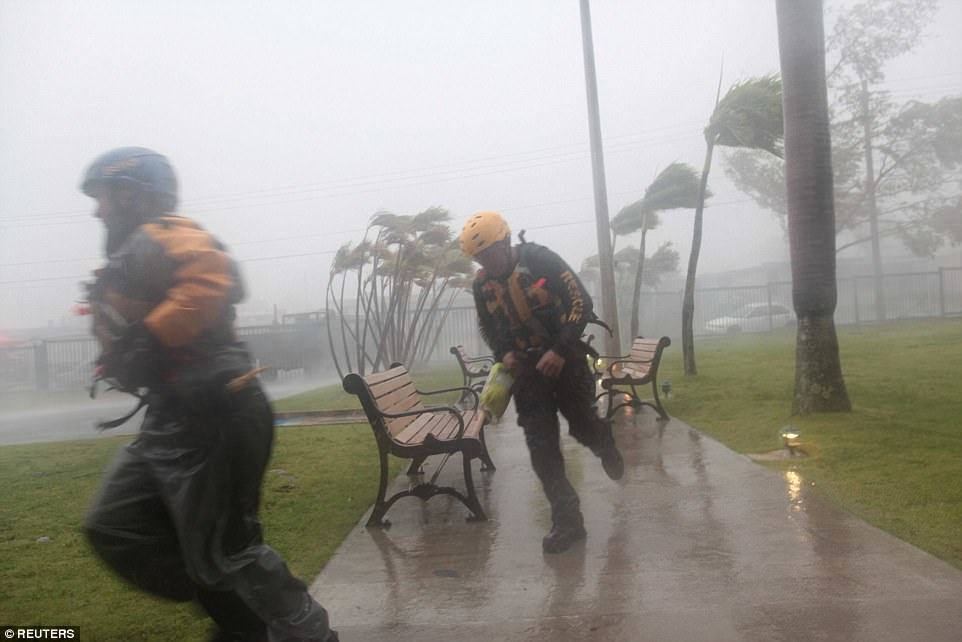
(666, 389)
(791, 438)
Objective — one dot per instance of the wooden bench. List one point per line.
(404, 427)
(474, 370)
(637, 368)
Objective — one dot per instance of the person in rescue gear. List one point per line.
(177, 512)
(532, 310)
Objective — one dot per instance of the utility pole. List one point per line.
(872, 206)
(605, 259)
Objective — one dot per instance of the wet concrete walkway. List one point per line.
(695, 543)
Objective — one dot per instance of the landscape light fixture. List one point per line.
(791, 438)
(666, 388)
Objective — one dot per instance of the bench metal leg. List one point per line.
(486, 463)
(381, 506)
(661, 409)
(614, 408)
(415, 467)
(472, 499)
(423, 491)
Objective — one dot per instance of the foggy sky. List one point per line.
(291, 123)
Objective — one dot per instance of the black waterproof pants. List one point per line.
(177, 517)
(538, 399)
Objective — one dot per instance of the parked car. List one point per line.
(753, 317)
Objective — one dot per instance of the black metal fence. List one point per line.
(66, 363)
(915, 295)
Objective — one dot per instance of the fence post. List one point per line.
(40, 367)
(768, 293)
(855, 296)
(941, 291)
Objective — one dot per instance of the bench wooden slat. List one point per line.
(400, 400)
(448, 430)
(415, 434)
(388, 386)
(474, 425)
(633, 370)
(378, 377)
(414, 404)
(405, 431)
(395, 426)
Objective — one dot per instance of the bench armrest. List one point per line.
(599, 371)
(477, 399)
(612, 356)
(612, 365)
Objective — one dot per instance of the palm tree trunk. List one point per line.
(443, 320)
(688, 304)
(811, 209)
(426, 326)
(415, 329)
(345, 328)
(327, 318)
(358, 329)
(636, 293)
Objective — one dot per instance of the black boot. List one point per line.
(562, 537)
(607, 450)
(612, 462)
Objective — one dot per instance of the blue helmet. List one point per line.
(142, 169)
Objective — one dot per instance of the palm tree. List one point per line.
(675, 187)
(811, 209)
(662, 261)
(406, 281)
(750, 115)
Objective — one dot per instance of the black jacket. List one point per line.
(542, 304)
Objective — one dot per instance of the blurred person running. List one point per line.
(177, 514)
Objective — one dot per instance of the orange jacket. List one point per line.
(181, 276)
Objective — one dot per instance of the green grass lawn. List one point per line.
(895, 460)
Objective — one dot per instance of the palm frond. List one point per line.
(629, 218)
(750, 115)
(675, 187)
(627, 257)
(429, 218)
(383, 218)
(339, 261)
(436, 235)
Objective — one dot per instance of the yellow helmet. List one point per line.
(483, 230)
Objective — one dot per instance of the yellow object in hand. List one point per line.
(497, 391)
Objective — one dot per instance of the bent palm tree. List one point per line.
(749, 115)
(676, 187)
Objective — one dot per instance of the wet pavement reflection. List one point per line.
(695, 543)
